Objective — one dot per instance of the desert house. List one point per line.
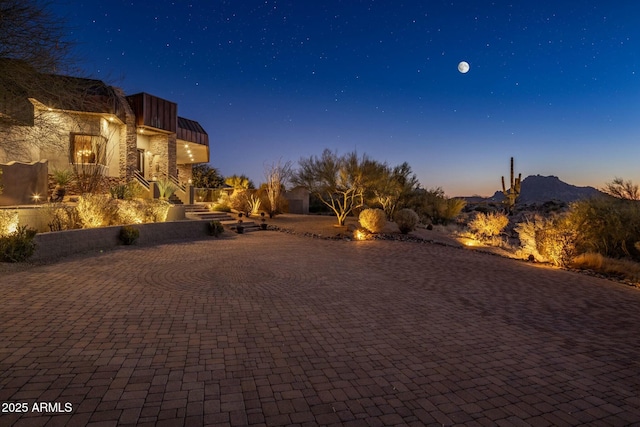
(84, 125)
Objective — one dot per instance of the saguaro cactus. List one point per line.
(511, 195)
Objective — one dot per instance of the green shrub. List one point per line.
(62, 177)
(120, 192)
(608, 226)
(128, 234)
(407, 220)
(18, 246)
(373, 220)
(215, 228)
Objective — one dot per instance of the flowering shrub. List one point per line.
(407, 220)
(373, 220)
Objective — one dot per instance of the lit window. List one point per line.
(88, 149)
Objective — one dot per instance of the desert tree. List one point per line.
(276, 176)
(622, 189)
(337, 181)
(239, 182)
(31, 34)
(394, 187)
(205, 176)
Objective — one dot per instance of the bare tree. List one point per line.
(31, 34)
(276, 174)
(622, 189)
(338, 181)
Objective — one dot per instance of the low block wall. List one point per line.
(63, 243)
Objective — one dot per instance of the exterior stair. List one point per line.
(174, 199)
(227, 219)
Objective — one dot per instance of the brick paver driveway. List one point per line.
(273, 329)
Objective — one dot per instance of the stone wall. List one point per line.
(185, 173)
(22, 182)
(59, 244)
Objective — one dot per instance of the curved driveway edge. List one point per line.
(273, 329)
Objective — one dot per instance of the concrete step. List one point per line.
(248, 226)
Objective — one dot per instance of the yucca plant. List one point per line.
(166, 188)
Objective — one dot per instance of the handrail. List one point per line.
(176, 182)
(138, 176)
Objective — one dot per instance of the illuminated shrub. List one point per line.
(373, 220)
(131, 211)
(156, 210)
(407, 220)
(8, 222)
(18, 246)
(239, 201)
(487, 226)
(220, 207)
(556, 240)
(527, 235)
(96, 210)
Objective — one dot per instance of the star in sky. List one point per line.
(553, 84)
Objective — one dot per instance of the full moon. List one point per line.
(463, 67)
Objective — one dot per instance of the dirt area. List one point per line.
(326, 226)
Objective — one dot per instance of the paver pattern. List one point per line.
(274, 329)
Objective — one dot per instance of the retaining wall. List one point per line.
(63, 243)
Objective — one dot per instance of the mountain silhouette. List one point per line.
(540, 189)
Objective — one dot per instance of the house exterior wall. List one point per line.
(185, 173)
(50, 137)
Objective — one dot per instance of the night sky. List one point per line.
(554, 84)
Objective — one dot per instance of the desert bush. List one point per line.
(220, 207)
(621, 268)
(607, 226)
(96, 210)
(556, 240)
(130, 211)
(60, 216)
(8, 222)
(215, 228)
(437, 208)
(239, 201)
(18, 246)
(407, 220)
(128, 235)
(155, 210)
(373, 220)
(488, 226)
(130, 190)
